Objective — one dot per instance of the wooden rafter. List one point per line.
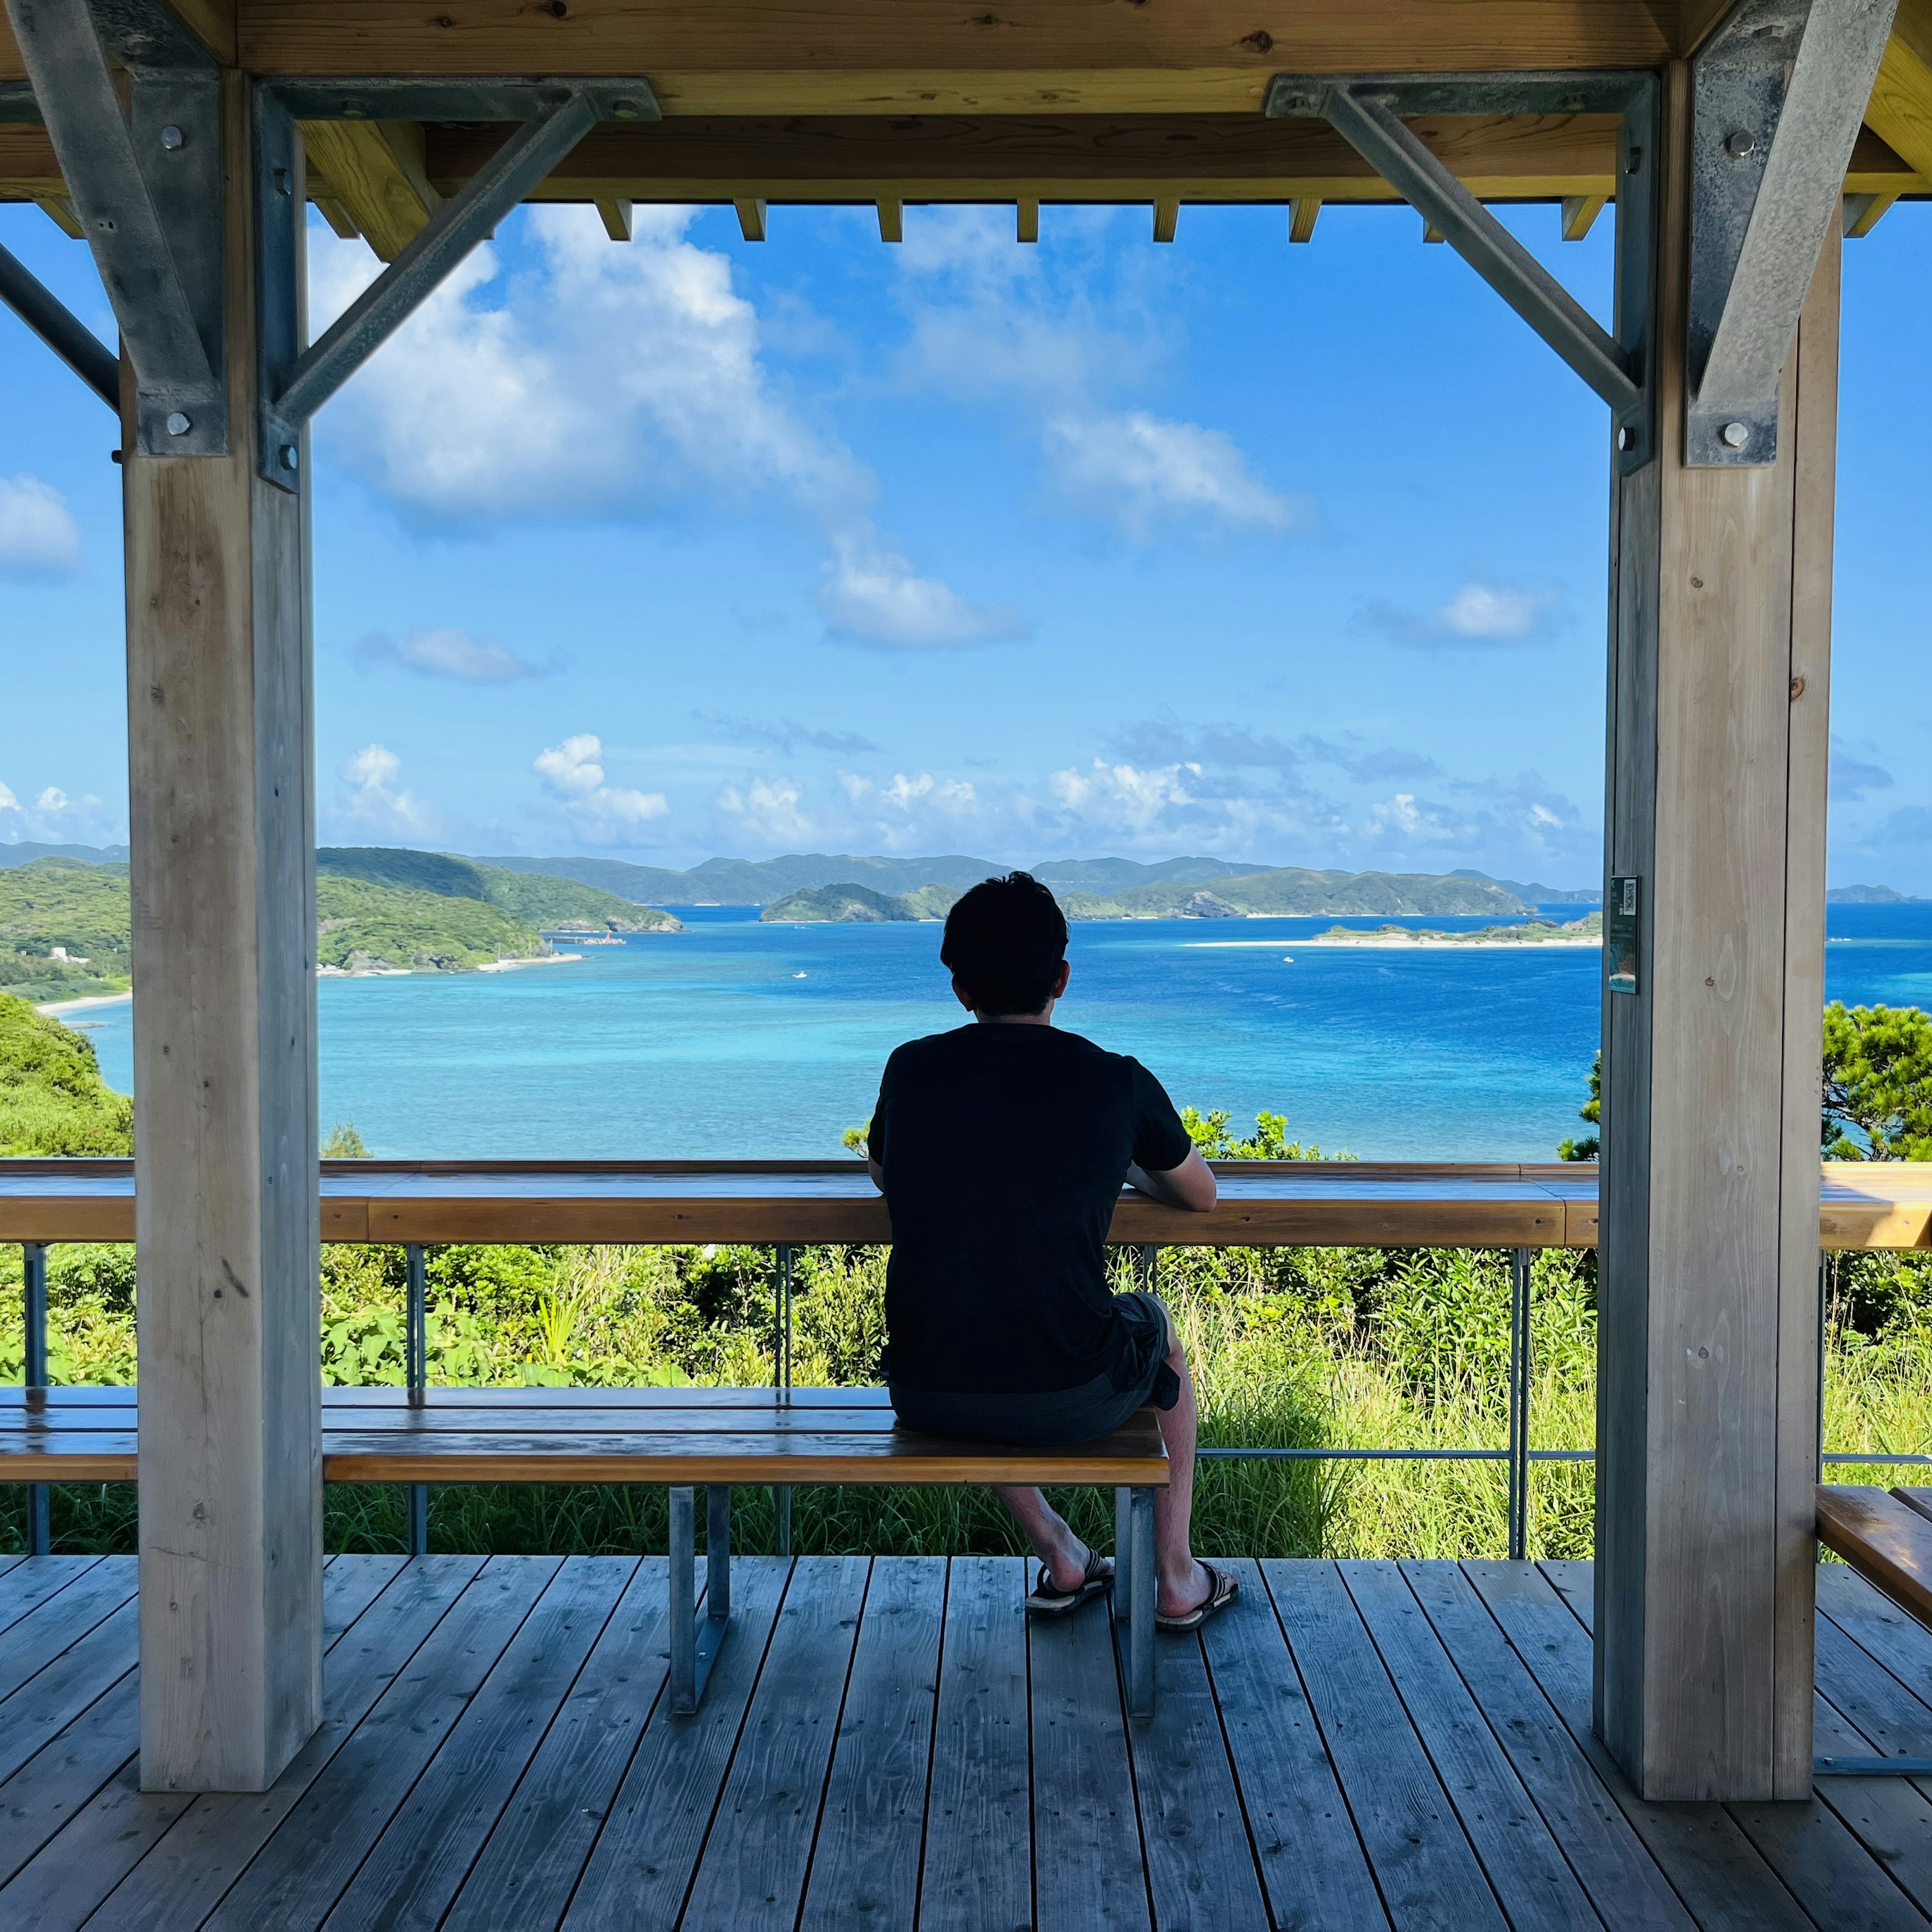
(1901, 103)
(375, 170)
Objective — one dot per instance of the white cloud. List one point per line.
(1121, 798)
(1147, 473)
(1475, 613)
(370, 797)
(871, 596)
(449, 653)
(604, 815)
(8, 802)
(56, 818)
(40, 539)
(765, 812)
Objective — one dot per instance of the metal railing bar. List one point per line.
(416, 1373)
(1399, 1455)
(34, 1268)
(781, 1342)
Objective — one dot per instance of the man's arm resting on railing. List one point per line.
(1191, 1185)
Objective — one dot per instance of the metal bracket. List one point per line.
(295, 382)
(1366, 111)
(60, 329)
(146, 185)
(1778, 94)
(697, 1636)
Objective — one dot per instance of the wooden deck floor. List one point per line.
(885, 1744)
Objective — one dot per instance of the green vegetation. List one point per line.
(362, 928)
(1292, 889)
(859, 905)
(531, 898)
(81, 908)
(53, 1100)
(1592, 1111)
(1528, 932)
(342, 1142)
(1878, 1083)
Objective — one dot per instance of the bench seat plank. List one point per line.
(1887, 1541)
(468, 1435)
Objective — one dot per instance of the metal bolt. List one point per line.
(1738, 145)
(624, 109)
(1635, 163)
(1627, 438)
(172, 137)
(1735, 435)
(291, 457)
(178, 425)
(283, 186)
(354, 110)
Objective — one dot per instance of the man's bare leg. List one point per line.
(1056, 1546)
(1180, 1583)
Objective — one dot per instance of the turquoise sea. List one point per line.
(736, 1038)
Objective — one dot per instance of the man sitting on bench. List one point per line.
(1001, 1148)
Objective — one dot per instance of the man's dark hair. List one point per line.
(1004, 942)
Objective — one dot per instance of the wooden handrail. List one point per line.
(1263, 1203)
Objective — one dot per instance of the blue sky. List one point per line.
(687, 545)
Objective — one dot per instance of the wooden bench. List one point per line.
(685, 1438)
(1886, 1536)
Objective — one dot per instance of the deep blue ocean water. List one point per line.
(733, 1039)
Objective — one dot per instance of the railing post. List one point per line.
(781, 1384)
(1824, 1313)
(1521, 1261)
(1146, 1257)
(34, 1255)
(415, 1370)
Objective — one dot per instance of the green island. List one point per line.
(1283, 891)
(1292, 1347)
(1586, 931)
(65, 922)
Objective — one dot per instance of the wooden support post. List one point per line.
(891, 219)
(751, 219)
(1301, 214)
(1707, 1423)
(1026, 218)
(1166, 217)
(223, 840)
(616, 216)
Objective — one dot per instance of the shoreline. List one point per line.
(57, 1007)
(1418, 941)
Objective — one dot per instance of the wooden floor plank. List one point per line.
(51, 1788)
(641, 1867)
(301, 1872)
(1878, 1626)
(426, 1850)
(33, 1579)
(1088, 1868)
(80, 1797)
(1527, 1870)
(63, 1688)
(1895, 1722)
(60, 1619)
(1312, 1861)
(1811, 1848)
(769, 1810)
(1200, 1865)
(864, 1865)
(1889, 1816)
(980, 1784)
(207, 1846)
(523, 1880)
(1716, 1870)
(1619, 1876)
(1428, 1875)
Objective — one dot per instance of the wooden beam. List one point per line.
(1166, 216)
(615, 214)
(1429, 234)
(337, 217)
(375, 169)
(1026, 218)
(222, 838)
(1863, 212)
(1579, 215)
(891, 218)
(1707, 1405)
(750, 218)
(1900, 108)
(1301, 217)
(920, 56)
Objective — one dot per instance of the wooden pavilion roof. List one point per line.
(891, 101)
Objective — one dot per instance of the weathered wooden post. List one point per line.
(222, 836)
(1707, 1425)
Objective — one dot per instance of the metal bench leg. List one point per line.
(696, 1637)
(1141, 1608)
(1124, 1554)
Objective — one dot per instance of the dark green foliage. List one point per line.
(1878, 1084)
(1269, 1142)
(68, 903)
(53, 1100)
(1592, 1111)
(535, 899)
(362, 925)
(342, 1142)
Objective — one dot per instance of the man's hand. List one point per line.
(1191, 1185)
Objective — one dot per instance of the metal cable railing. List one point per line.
(1517, 1455)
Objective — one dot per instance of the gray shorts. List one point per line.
(1037, 1420)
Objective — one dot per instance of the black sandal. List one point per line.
(1048, 1601)
(1222, 1590)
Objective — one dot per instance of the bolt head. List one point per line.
(1738, 145)
(1627, 438)
(178, 425)
(172, 138)
(624, 109)
(291, 457)
(1735, 435)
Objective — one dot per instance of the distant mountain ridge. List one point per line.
(27, 851)
(537, 899)
(1869, 896)
(1539, 894)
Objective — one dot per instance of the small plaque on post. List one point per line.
(1620, 918)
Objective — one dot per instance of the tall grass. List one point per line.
(1305, 1348)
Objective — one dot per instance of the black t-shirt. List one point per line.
(1004, 1149)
